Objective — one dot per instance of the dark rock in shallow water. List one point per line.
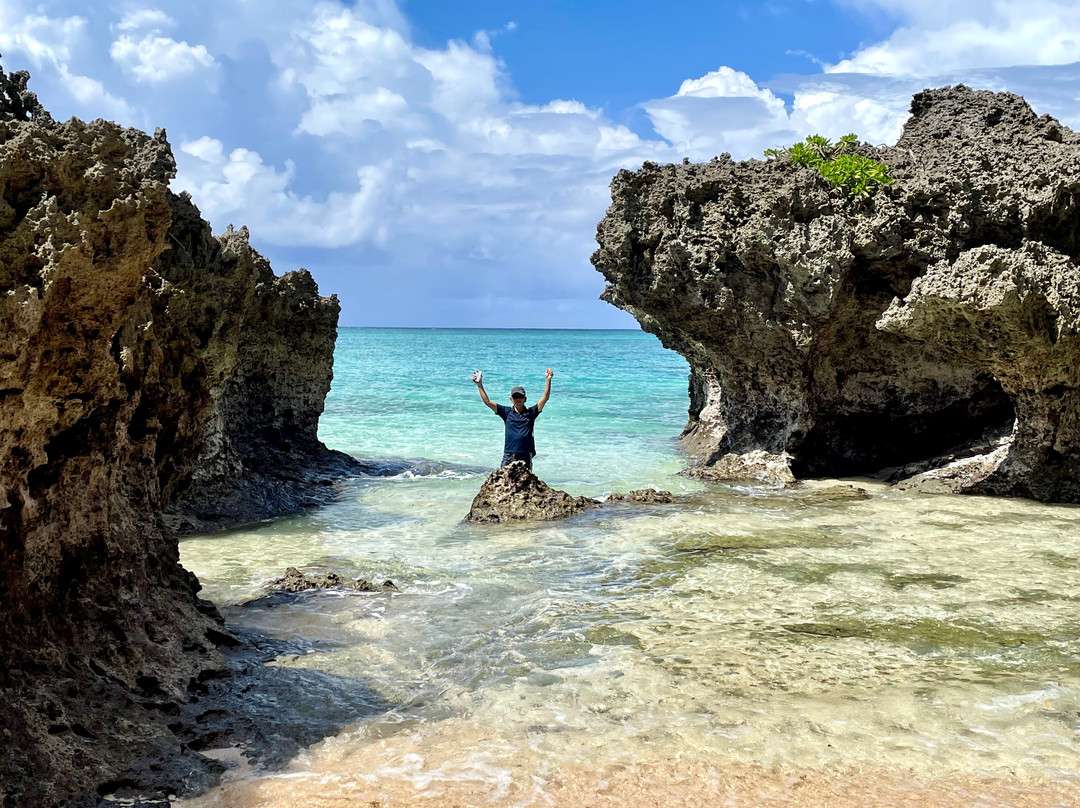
(513, 493)
(830, 336)
(296, 581)
(145, 364)
(644, 496)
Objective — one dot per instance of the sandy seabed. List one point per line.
(690, 785)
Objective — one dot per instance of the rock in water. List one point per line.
(144, 364)
(829, 336)
(296, 581)
(644, 496)
(513, 493)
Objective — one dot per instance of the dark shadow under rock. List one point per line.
(301, 479)
(268, 711)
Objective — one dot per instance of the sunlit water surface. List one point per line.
(740, 647)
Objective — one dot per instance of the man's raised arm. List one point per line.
(547, 390)
(478, 379)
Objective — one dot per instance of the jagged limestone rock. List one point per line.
(295, 581)
(772, 285)
(136, 352)
(513, 493)
(1016, 312)
(643, 496)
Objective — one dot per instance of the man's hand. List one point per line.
(478, 377)
(548, 374)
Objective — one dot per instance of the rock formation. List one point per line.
(829, 335)
(514, 494)
(260, 454)
(296, 581)
(144, 364)
(643, 496)
(1015, 312)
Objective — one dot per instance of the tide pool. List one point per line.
(745, 646)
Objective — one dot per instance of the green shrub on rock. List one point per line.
(855, 175)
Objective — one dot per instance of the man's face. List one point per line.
(517, 399)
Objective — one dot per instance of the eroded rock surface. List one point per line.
(296, 581)
(1015, 312)
(143, 362)
(643, 496)
(513, 493)
(779, 291)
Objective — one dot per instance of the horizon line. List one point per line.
(479, 328)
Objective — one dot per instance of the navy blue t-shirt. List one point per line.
(519, 428)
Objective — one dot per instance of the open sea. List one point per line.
(742, 647)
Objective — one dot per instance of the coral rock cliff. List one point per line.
(143, 364)
(829, 335)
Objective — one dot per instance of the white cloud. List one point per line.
(45, 40)
(942, 37)
(155, 58)
(149, 19)
(240, 184)
(434, 159)
(92, 95)
(722, 111)
(49, 44)
(347, 113)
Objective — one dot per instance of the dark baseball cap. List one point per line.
(519, 390)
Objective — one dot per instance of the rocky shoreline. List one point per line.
(830, 336)
(160, 380)
(149, 368)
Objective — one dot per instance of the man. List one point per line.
(518, 444)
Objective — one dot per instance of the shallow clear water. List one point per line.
(752, 645)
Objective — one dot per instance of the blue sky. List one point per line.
(445, 164)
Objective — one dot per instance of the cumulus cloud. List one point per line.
(49, 43)
(240, 183)
(1032, 48)
(435, 160)
(43, 39)
(153, 58)
(722, 111)
(138, 19)
(942, 37)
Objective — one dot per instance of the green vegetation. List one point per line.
(855, 175)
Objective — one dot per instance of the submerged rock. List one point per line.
(513, 493)
(830, 336)
(146, 364)
(296, 581)
(643, 496)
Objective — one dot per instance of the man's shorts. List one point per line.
(510, 457)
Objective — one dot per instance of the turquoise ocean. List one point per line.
(617, 406)
(732, 648)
